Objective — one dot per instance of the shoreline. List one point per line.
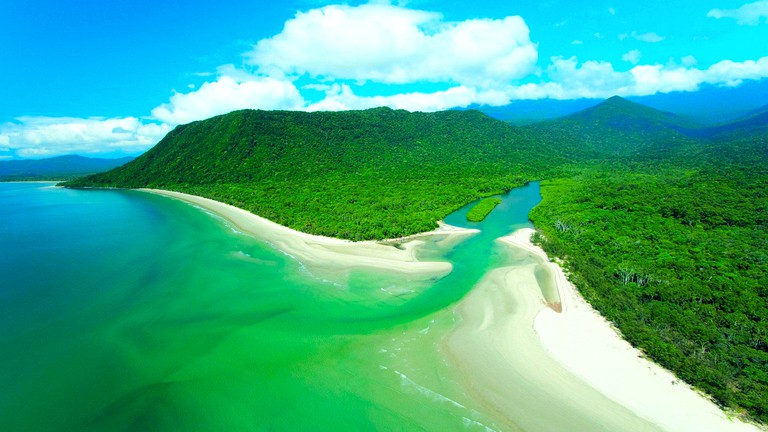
(31, 181)
(589, 347)
(511, 348)
(328, 252)
(505, 367)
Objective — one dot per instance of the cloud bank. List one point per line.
(748, 14)
(32, 137)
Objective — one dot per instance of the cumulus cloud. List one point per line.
(632, 56)
(51, 136)
(732, 73)
(228, 94)
(650, 37)
(748, 14)
(394, 45)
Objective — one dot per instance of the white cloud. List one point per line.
(650, 37)
(390, 44)
(689, 61)
(632, 56)
(341, 97)
(612, 11)
(567, 79)
(51, 136)
(732, 73)
(748, 14)
(227, 94)
(577, 42)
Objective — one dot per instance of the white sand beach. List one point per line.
(326, 252)
(507, 327)
(504, 365)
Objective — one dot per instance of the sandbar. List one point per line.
(330, 253)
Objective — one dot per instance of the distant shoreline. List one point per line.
(31, 181)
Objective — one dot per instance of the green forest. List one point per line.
(660, 223)
(482, 209)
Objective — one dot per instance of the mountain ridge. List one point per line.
(57, 168)
(247, 157)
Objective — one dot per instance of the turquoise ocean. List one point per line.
(124, 310)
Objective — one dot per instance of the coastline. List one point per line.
(505, 367)
(327, 252)
(587, 345)
(512, 350)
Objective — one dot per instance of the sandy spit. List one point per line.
(331, 253)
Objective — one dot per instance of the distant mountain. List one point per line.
(709, 105)
(622, 115)
(56, 168)
(523, 112)
(752, 123)
(617, 128)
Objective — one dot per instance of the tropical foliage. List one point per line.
(479, 212)
(358, 175)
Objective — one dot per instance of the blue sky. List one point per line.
(107, 78)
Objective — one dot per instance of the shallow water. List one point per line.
(121, 310)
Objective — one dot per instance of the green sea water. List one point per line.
(123, 310)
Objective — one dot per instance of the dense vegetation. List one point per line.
(671, 246)
(661, 223)
(359, 175)
(482, 209)
(56, 168)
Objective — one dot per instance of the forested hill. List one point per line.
(617, 113)
(358, 174)
(56, 168)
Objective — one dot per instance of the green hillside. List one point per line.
(359, 175)
(660, 222)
